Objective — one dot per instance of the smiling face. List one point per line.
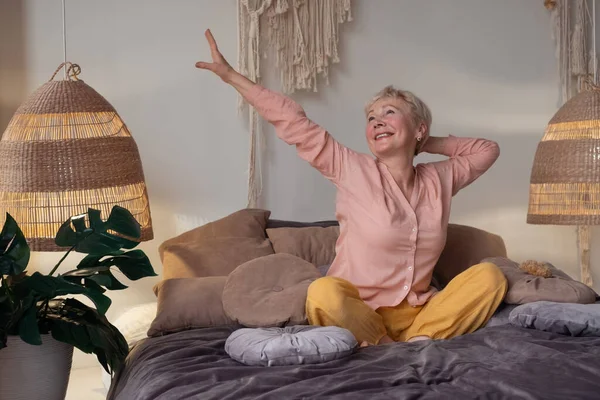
(391, 128)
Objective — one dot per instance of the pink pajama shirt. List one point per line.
(388, 244)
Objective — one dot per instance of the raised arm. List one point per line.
(313, 143)
(468, 159)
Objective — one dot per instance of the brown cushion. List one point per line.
(211, 257)
(466, 246)
(247, 222)
(313, 244)
(525, 288)
(269, 291)
(217, 248)
(189, 303)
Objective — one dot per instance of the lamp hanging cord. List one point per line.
(64, 21)
(72, 70)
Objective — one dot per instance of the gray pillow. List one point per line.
(501, 316)
(290, 345)
(563, 318)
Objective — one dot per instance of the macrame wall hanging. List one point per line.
(300, 37)
(574, 36)
(576, 125)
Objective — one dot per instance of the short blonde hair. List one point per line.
(419, 110)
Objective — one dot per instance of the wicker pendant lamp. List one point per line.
(65, 150)
(565, 178)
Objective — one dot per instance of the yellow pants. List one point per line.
(463, 306)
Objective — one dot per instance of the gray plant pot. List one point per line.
(30, 372)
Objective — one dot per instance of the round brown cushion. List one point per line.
(269, 291)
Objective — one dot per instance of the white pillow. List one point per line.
(133, 323)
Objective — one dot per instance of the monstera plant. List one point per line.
(35, 304)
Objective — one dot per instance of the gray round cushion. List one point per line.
(269, 291)
(290, 345)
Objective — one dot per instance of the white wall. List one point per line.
(486, 68)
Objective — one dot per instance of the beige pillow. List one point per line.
(269, 291)
(211, 257)
(466, 246)
(313, 244)
(525, 288)
(247, 222)
(217, 248)
(189, 303)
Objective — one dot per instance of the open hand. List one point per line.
(219, 65)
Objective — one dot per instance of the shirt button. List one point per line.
(405, 287)
(410, 268)
(414, 229)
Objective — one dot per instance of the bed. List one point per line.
(499, 361)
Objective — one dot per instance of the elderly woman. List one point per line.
(393, 217)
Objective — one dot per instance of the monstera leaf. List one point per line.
(133, 264)
(97, 278)
(14, 251)
(97, 237)
(44, 287)
(13, 307)
(6, 316)
(71, 321)
(28, 328)
(96, 269)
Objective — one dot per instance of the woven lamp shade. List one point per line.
(565, 178)
(65, 150)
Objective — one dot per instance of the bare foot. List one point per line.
(383, 340)
(386, 339)
(418, 338)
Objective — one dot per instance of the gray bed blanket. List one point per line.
(499, 362)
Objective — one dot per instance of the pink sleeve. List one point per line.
(468, 159)
(313, 143)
